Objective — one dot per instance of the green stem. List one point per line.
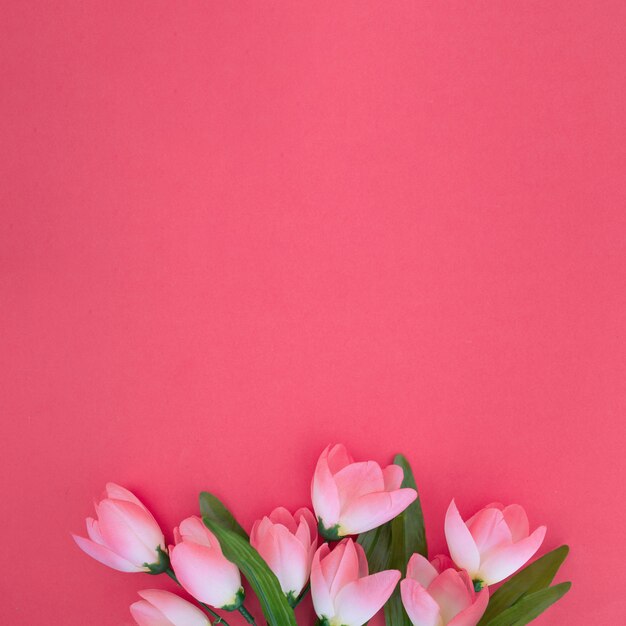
(218, 618)
(247, 616)
(302, 595)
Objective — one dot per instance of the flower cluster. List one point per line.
(356, 507)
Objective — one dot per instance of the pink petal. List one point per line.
(282, 516)
(363, 566)
(393, 476)
(472, 614)
(442, 562)
(286, 557)
(324, 493)
(421, 570)
(508, 560)
(115, 492)
(306, 515)
(320, 588)
(461, 544)
(338, 457)
(358, 479)
(517, 521)
(420, 607)
(347, 570)
(105, 556)
(450, 593)
(490, 532)
(331, 562)
(206, 574)
(93, 531)
(304, 532)
(129, 531)
(192, 529)
(374, 509)
(360, 600)
(147, 615)
(178, 611)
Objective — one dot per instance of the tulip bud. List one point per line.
(125, 536)
(492, 544)
(350, 498)
(201, 567)
(342, 591)
(287, 544)
(442, 597)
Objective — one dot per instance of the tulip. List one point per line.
(125, 536)
(343, 593)
(350, 498)
(492, 544)
(162, 608)
(440, 597)
(202, 569)
(287, 544)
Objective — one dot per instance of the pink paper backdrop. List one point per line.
(235, 231)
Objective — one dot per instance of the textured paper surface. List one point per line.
(235, 232)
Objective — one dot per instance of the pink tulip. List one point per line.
(202, 569)
(434, 597)
(492, 544)
(162, 608)
(350, 498)
(343, 593)
(125, 536)
(287, 543)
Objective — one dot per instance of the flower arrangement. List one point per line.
(365, 535)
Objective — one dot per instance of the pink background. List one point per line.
(234, 232)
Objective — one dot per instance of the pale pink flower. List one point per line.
(350, 498)
(492, 544)
(162, 608)
(202, 569)
(434, 597)
(343, 593)
(125, 536)
(287, 544)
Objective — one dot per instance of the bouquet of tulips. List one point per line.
(365, 535)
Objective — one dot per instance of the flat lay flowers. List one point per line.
(361, 548)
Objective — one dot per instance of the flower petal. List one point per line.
(517, 521)
(450, 593)
(419, 605)
(338, 457)
(421, 570)
(393, 476)
(178, 611)
(374, 509)
(461, 544)
(115, 492)
(508, 560)
(320, 588)
(129, 531)
(147, 615)
(472, 614)
(324, 493)
(105, 556)
(360, 600)
(358, 479)
(490, 532)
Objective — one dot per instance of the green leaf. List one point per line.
(212, 508)
(377, 546)
(407, 537)
(534, 577)
(412, 518)
(530, 606)
(263, 582)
